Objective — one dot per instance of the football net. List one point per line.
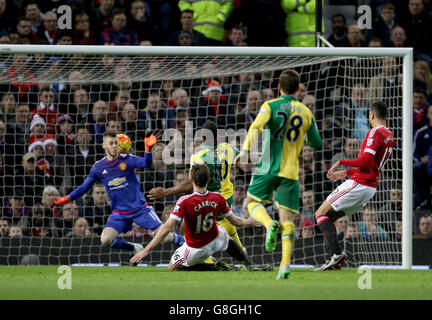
(56, 104)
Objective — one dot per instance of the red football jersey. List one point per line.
(379, 142)
(199, 212)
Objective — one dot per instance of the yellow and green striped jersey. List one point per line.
(219, 160)
(288, 123)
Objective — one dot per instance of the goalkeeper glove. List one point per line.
(60, 201)
(149, 141)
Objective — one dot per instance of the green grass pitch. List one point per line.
(157, 283)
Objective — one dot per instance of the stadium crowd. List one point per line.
(50, 133)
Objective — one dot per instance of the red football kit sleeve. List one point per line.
(374, 152)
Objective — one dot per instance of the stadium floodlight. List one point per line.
(329, 74)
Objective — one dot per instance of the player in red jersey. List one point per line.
(353, 194)
(203, 235)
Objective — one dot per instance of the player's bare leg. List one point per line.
(286, 218)
(259, 213)
(325, 216)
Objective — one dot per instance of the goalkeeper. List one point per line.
(219, 159)
(117, 173)
(287, 121)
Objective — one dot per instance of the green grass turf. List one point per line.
(151, 283)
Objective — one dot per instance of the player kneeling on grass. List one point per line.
(352, 195)
(117, 173)
(203, 235)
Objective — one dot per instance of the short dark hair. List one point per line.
(289, 81)
(339, 15)
(46, 89)
(376, 39)
(421, 90)
(380, 109)
(83, 126)
(109, 134)
(187, 11)
(200, 175)
(118, 11)
(212, 126)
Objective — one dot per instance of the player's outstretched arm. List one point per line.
(241, 222)
(157, 193)
(163, 232)
(77, 193)
(313, 137)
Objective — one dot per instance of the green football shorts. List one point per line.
(287, 191)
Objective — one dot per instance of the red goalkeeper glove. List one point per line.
(60, 201)
(149, 141)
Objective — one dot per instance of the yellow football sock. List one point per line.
(259, 213)
(287, 242)
(209, 260)
(231, 230)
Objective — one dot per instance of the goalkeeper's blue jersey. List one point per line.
(120, 181)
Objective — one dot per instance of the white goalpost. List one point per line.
(330, 76)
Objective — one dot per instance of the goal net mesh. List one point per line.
(55, 108)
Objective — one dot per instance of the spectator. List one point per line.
(4, 39)
(185, 39)
(209, 19)
(266, 95)
(7, 15)
(369, 228)
(28, 177)
(57, 164)
(351, 150)
(15, 231)
(66, 94)
(418, 25)
(97, 208)
(339, 36)
(117, 33)
(386, 86)
(168, 87)
(300, 23)
(37, 147)
(425, 228)
(7, 106)
(238, 199)
(47, 110)
(422, 144)
(63, 225)
(48, 195)
(4, 227)
(12, 152)
(24, 30)
(384, 24)
(79, 110)
(142, 23)
(65, 38)
(38, 129)
(375, 43)
(129, 116)
(37, 224)
(187, 21)
(34, 15)
(341, 227)
(82, 157)
(309, 101)
(419, 110)
(166, 212)
(423, 76)
(48, 31)
(81, 228)
(355, 36)
(392, 209)
(213, 106)
(65, 134)
(240, 86)
(247, 115)
(352, 231)
(398, 37)
(302, 92)
(398, 228)
(20, 79)
(115, 126)
(99, 116)
(14, 208)
(307, 229)
(308, 201)
(82, 34)
(156, 115)
(121, 98)
(101, 16)
(237, 36)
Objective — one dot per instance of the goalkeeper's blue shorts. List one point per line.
(146, 218)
